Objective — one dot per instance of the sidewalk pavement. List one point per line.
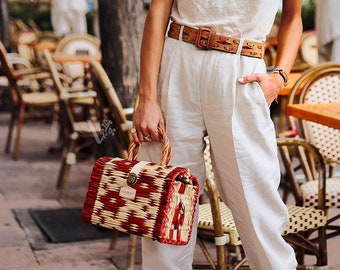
(29, 182)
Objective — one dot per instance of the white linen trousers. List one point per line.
(199, 93)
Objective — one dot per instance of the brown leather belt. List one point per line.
(206, 39)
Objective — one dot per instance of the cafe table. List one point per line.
(45, 46)
(323, 113)
(83, 58)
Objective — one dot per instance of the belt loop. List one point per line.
(240, 46)
(181, 33)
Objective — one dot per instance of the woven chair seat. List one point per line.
(84, 101)
(303, 219)
(38, 98)
(300, 219)
(4, 82)
(205, 221)
(310, 193)
(85, 127)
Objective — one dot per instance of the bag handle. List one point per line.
(166, 151)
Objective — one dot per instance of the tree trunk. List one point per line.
(121, 26)
(4, 25)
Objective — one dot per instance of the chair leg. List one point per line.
(332, 169)
(300, 255)
(322, 259)
(132, 246)
(64, 173)
(286, 189)
(69, 159)
(131, 252)
(240, 264)
(114, 239)
(62, 168)
(10, 132)
(206, 253)
(19, 126)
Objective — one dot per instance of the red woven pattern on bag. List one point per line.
(163, 208)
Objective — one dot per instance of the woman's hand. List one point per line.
(271, 84)
(146, 121)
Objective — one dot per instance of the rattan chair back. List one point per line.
(112, 107)
(77, 44)
(320, 84)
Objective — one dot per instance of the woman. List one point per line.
(207, 77)
(69, 16)
(327, 25)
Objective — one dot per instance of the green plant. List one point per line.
(308, 14)
(31, 12)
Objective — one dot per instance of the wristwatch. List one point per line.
(282, 73)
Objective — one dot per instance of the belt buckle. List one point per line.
(205, 43)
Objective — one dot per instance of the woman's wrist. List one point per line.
(282, 73)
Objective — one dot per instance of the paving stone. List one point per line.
(18, 257)
(76, 265)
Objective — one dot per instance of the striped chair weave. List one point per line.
(300, 219)
(310, 193)
(205, 221)
(303, 219)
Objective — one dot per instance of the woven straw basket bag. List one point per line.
(155, 201)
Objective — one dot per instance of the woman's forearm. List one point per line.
(289, 36)
(152, 45)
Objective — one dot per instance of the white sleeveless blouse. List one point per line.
(248, 19)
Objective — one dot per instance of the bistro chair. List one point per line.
(320, 84)
(216, 221)
(90, 130)
(44, 40)
(112, 108)
(18, 63)
(28, 102)
(24, 45)
(115, 114)
(80, 129)
(77, 44)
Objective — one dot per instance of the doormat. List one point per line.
(64, 225)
